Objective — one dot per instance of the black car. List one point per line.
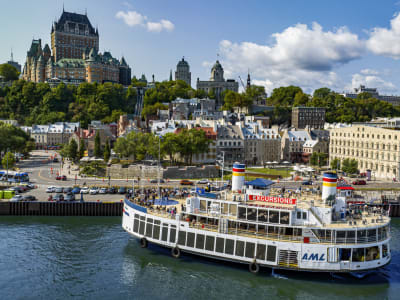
(156, 181)
(28, 198)
(112, 190)
(67, 190)
(122, 190)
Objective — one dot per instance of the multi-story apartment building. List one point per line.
(375, 149)
(230, 140)
(261, 145)
(292, 143)
(311, 117)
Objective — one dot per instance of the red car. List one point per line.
(63, 177)
(359, 182)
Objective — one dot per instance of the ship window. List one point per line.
(385, 251)
(210, 243)
(273, 216)
(250, 250)
(229, 245)
(340, 236)
(297, 232)
(156, 232)
(262, 215)
(358, 254)
(136, 225)
(252, 214)
(190, 239)
(304, 215)
(239, 248)
(242, 212)
(351, 237)
(271, 253)
(172, 235)
(182, 238)
(149, 230)
(203, 205)
(299, 215)
(232, 209)
(261, 251)
(141, 228)
(225, 208)
(142, 218)
(344, 254)
(157, 222)
(164, 235)
(219, 247)
(372, 253)
(149, 220)
(361, 236)
(372, 235)
(284, 217)
(200, 241)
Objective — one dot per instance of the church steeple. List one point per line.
(170, 75)
(248, 80)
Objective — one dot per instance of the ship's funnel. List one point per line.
(238, 171)
(329, 183)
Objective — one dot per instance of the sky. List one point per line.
(309, 43)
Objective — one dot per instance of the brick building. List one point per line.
(312, 117)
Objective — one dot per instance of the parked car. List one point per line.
(16, 189)
(93, 191)
(50, 189)
(67, 190)
(69, 197)
(58, 177)
(307, 182)
(156, 181)
(58, 197)
(63, 178)
(76, 190)
(186, 182)
(122, 190)
(112, 190)
(85, 190)
(30, 186)
(29, 198)
(203, 181)
(359, 182)
(22, 188)
(103, 191)
(16, 198)
(59, 190)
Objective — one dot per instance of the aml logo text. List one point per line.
(314, 256)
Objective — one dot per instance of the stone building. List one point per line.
(230, 140)
(312, 117)
(260, 144)
(292, 143)
(217, 83)
(183, 72)
(74, 56)
(375, 149)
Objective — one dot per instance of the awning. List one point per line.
(260, 182)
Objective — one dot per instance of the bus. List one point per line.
(14, 176)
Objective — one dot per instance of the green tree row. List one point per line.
(186, 143)
(37, 103)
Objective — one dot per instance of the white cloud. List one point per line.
(369, 72)
(159, 26)
(300, 55)
(385, 41)
(133, 18)
(373, 81)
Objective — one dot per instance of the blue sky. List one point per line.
(339, 44)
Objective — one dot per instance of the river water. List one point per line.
(93, 258)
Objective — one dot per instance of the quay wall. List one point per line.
(61, 209)
(148, 172)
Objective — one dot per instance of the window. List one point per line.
(358, 254)
(200, 241)
(250, 250)
(271, 253)
(229, 245)
(284, 217)
(210, 243)
(344, 254)
(182, 238)
(385, 251)
(372, 253)
(219, 247)
(239, 248)
(273, 216)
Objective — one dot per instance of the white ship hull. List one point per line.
(179, 235)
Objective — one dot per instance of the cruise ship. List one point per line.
(262, 226)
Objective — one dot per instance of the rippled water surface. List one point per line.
(93, 258)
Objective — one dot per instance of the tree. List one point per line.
(335, 164)
(97, 145)
(8, 160)
(318, 159)
(107, 151)
(350, 166)
(81, 151)
(9, 72)
(73, 150)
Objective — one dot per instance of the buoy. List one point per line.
(254, 268)
(143, 243)
(175, 252)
